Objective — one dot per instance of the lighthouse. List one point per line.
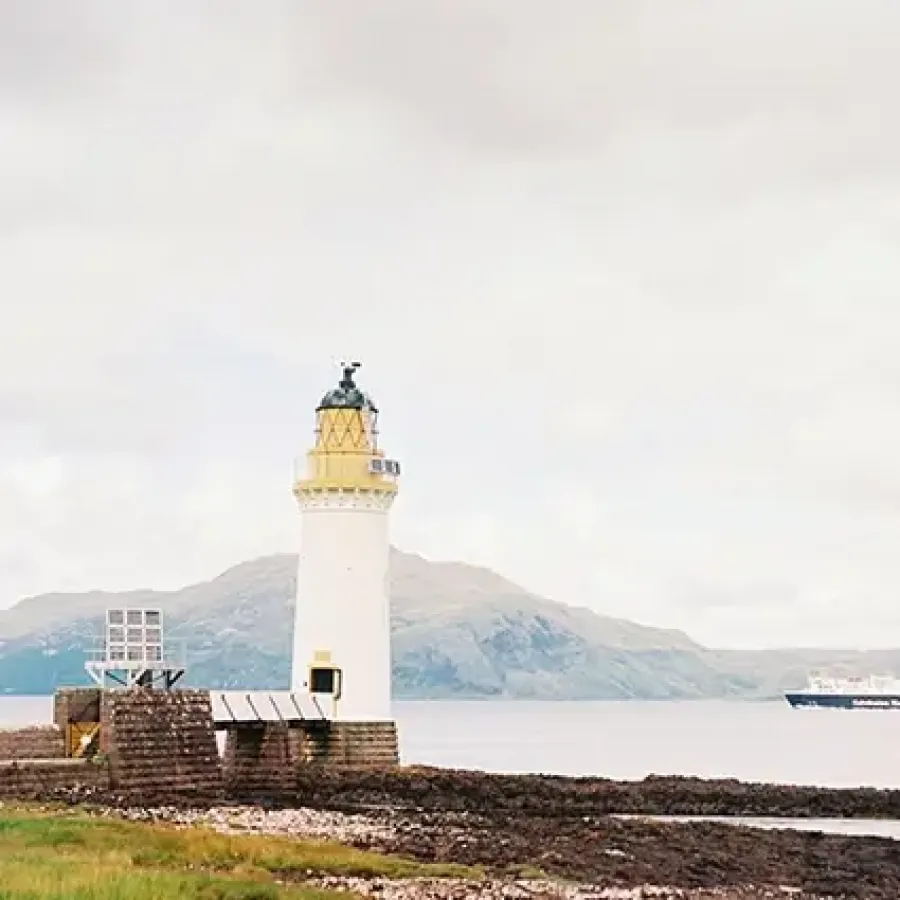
(345, 488)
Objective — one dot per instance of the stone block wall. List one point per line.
(38, 742)
(356, 745)
(263, 760)
(259, 760)
(44, 779)
(160, 744)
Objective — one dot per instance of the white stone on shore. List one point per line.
(458, 889)
(300, 822)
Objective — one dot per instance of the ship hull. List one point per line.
(843, 701)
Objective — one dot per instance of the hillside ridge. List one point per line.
(458, 630)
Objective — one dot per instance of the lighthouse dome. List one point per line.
(347, 395)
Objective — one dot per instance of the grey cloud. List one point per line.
(503, 78)
(51, 49)
(623, 276)
(522, 79)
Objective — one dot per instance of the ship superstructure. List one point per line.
(848, 692)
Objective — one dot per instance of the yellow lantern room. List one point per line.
(346, 456)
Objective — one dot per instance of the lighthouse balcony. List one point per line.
(346, 472)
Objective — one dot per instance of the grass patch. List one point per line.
(527, 873)
(67, 854)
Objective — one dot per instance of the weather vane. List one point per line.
(349, 371)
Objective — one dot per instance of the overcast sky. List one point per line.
(624, 277)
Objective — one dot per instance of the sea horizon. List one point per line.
(749, 740)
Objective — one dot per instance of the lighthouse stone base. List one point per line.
(268, 757)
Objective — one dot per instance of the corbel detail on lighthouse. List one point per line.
(315, 498)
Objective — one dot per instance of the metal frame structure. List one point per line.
(134, 653)
(232, 709)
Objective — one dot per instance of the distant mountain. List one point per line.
(458, 631)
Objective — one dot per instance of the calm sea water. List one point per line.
(629, 740)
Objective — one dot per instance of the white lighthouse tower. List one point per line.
(345, 489)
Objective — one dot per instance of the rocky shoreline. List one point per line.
(399, 834)
(541, 836)
(424, 788)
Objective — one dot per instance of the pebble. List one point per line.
(299, 822)
(459, 889)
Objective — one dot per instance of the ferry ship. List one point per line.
(869, 692)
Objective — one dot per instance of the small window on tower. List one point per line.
(322, 681)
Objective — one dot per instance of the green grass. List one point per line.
(67, 855)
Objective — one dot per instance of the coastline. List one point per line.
(535, 835)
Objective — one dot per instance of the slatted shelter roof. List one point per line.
(233, 708)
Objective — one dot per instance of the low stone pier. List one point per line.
(37, 742)
(160, 746)
(40, 779)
